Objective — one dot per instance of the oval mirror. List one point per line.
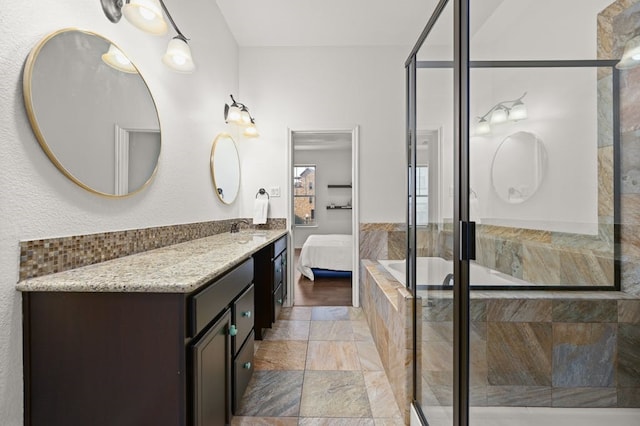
(518, 167)
(225, 168)
(92, 112)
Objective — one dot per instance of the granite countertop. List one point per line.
(179, 268)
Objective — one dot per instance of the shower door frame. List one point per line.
(463, 228)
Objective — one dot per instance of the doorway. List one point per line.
(323, 217)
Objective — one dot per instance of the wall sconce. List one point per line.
(501, 112)
(238, 113)
(118, 60)
(631, 55)
(147, 15)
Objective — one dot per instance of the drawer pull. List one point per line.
(247, 314)
(247, 365)
(280, 301)
(233, 330)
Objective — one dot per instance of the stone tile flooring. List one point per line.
(318, 366)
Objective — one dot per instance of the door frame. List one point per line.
(355, 204)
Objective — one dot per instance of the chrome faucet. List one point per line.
(235, 226)
(448, 281)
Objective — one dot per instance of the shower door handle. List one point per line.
(467, 240)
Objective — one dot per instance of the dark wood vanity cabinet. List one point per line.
(270, 279)
(138, 359)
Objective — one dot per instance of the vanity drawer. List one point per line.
(279, 246)
(243, 313)
(210, 302)
(242, 371)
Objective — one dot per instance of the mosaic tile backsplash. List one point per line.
(51, 255)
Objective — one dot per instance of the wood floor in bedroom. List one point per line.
(321, 291)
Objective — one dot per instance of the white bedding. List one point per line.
(332, 252)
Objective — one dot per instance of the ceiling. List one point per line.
(326, 22)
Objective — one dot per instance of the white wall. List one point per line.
(332, 167)
(328, 88)
(39, 202)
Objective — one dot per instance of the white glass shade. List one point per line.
(631, 55)
(118, 60)
(178, 56)
(251, 131)
(146, 15)
(499, 116)
(245, 118)
(483, 127)
(233, 115)
(518, 112)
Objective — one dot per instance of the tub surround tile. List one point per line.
(605, 112)
(334, 394)
(629, 311)
(628, 355)
(380, 395)
(583, 268)
(630, 162)
(519, 353)
(529, 396)
(629, 397)
(519, 310)
(509, 258)
(272, 394)
(373, 244)
(584, 397)
(585, 310)
(584, 355)
(369, 357)
(541, 264)
(397, 244)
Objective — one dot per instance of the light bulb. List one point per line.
(233, 116)
(251, 131)
(146, 15)
(483, 127)
(499, 116)
(118, 60)
(245, 118)
(178, 56)
(518, 111)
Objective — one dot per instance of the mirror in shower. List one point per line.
(225, 168)
(92, 112)
(518, 167)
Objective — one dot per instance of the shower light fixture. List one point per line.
(148, 16)
(631, 55)
(501, 112)
(238, 113)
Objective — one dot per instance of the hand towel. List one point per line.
(260, 209)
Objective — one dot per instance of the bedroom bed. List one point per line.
(326, 255)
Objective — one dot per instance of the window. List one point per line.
(304, 196)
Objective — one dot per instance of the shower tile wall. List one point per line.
(616, 25)
(555, 352)
(48, 256)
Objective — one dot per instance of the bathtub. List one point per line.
(433, 271)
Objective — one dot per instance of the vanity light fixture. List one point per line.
(501, 112)
(631, 55)
(238, 113)
(148, 16)
(118, 60)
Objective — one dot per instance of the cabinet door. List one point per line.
(277, 302)
(211, 375)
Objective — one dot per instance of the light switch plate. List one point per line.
(274, 191)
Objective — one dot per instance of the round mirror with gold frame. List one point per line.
(92, 112)
(225, 168)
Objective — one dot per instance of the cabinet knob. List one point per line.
(247, 314)
(233, 330)
(247, 365)
(280, 301)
